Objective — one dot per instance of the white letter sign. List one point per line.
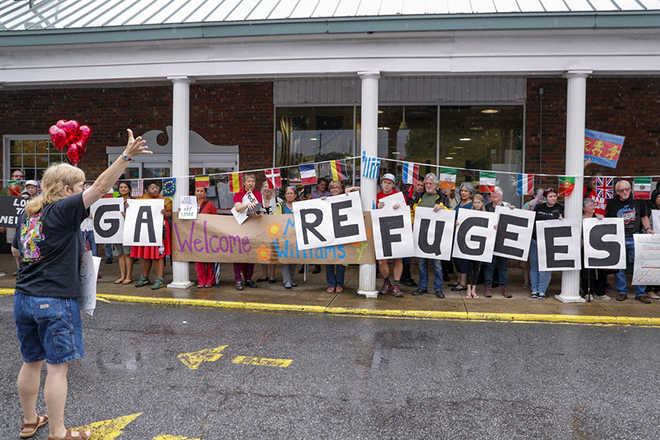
(330, 222)
(144, 222)
(559, 244)
(108, 221)
(475, 235)
(433, 233)
(393, 233)
(604, 243)
(514, 232)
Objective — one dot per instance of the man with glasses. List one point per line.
(635, 215)
(13, 189)
(430, 198)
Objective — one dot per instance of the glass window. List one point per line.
(32, 154)
(483, 138)
(313, 134)
(407, 133)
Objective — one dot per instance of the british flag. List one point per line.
(604, 187)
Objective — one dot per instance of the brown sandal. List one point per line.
(41, 421)
(81, 435)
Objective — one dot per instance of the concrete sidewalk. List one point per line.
(310, 297)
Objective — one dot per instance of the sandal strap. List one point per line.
(41, 420)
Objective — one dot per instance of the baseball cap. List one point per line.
(32, 182)
(388, 176)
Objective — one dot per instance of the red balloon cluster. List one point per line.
(72, 135)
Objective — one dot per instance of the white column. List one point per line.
(368, 187)
(180, 163)
(575, 121)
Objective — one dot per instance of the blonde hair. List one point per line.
(334, 183)
(483, 201)
(56, 177)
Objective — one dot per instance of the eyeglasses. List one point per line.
(155, 188)
(623, 189)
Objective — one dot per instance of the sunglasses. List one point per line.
(16, 175)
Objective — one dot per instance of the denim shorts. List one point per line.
(48, 328)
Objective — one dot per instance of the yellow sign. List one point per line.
(265, 362)
(109, 429)
(195, 359)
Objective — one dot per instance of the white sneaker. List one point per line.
(602, 297)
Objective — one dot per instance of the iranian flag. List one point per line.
(447, 178)
(487, 181)
(566, 186)
(642, 188)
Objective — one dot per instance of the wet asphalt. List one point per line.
(349, 377)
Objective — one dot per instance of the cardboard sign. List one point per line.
(330, 222)
(559, 244)
(269, 239)
(433, 232)
(474, 237)
(514, 233)
(394, 199)
(646, 271)
(144, 223)
(108, 221)
(604, 243)
(10, 209)
(393, 233)
(655, 220)
(188, 208)
(88, 278)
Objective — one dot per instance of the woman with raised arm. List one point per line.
(46, 310)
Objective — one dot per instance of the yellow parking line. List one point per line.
(420, 314)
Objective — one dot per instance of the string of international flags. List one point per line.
(410, 174)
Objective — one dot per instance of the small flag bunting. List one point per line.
(447, 178)
(525, 184)
(604, 187)
(169, 187)
(642, 188)
(566, 186)
(410, 173)
(273, 178)
(202, 182)
(338, 168)
(235, 182)
(370, 166)
(308, 174)
(487, 181)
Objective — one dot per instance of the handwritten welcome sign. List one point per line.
(267, 239)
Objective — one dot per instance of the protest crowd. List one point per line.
(427, 192)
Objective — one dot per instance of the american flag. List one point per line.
(605, 187)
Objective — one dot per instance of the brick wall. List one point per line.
(622, 106)
(224, 114)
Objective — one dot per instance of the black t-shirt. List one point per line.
(544, 212)
(631, 211)
(51, 245)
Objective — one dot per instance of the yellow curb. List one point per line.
(6, 291)
(420, 314)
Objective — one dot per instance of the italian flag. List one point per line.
(566, 186)
(447, 178)
(642, 188)
(487, 181)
